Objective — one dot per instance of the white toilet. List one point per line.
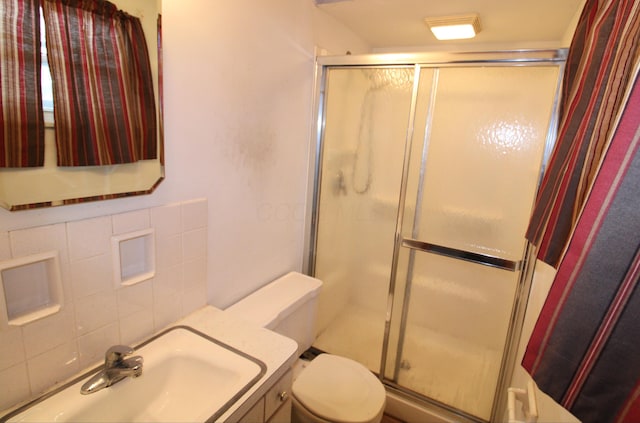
(330, 388)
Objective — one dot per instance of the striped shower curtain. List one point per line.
(585, 348)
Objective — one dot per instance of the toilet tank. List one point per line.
(288, 306)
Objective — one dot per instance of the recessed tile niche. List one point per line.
(133, 257)
(31, 288)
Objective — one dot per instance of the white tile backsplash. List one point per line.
(14, 385)
(91, 275)
(168, 251)
(135, 298)
(90, 237)
(11, 348)
(136, 326)
(194, 273)
(167, 220)
(54, 366)
(41, 239)
(194, 214)
(168, 282)
(194, 244)
(46, 334)
(5, 250)
(95, 313)
(91, 345)
(131, 221)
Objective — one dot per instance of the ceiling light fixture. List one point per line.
(454, 27)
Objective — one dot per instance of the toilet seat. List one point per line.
(338, 389)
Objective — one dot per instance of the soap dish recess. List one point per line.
(31, 287)
(133, 257)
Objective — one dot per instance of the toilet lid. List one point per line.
(339, 389)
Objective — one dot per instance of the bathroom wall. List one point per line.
(238, 110)
(96, 313)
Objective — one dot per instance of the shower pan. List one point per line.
(427, 170)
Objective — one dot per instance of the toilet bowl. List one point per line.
(330, 388)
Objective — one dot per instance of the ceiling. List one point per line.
(399, 24)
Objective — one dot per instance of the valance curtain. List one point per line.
(104, 106)
(21, 115)
(584, 351)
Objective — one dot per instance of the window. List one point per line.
(47, 84)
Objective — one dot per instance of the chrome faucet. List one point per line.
(116, 368)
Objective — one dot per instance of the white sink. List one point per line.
(186, 377)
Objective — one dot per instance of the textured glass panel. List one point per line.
(366, 115)
(456, 325)
(486, 136)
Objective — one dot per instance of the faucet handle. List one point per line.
(115, 353)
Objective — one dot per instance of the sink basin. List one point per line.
(187, 377)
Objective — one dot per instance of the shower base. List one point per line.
(443, 368)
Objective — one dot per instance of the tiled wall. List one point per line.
(96, 315)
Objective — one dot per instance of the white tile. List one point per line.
(95, 311)
(5, 250)
(168, 251)
(91, 275)
(40, 239)
(11, 348)
(131, 221)
(88, 238)
(194, 214)
(194, 299)
(168, 282)
(93, 346)
(166, 220)
(135, 298)
(53, 367)
(194, 244)
(134, 328)
(14, 385)
(194, 274)
(48, 333)
(166, 309)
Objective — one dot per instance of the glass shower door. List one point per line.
(366, 110)
(477, 147)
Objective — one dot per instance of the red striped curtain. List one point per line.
(161, 89)
(104, 106)
(598, 70)
(21, 116)
(584, 351)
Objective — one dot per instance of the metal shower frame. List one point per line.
(526, 265)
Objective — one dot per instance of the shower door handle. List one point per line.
(477, 258)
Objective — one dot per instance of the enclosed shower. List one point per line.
(427, 169)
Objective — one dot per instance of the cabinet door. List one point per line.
(256, 414)
(278, 398)
(283, 415)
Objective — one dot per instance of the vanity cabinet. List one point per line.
(275, 405)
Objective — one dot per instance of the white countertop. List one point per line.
(277, 352)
